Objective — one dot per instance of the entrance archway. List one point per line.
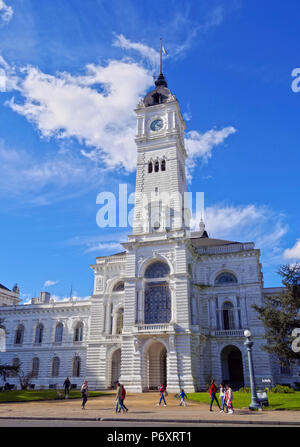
(156, 366)
(115, 367)
(232, 366)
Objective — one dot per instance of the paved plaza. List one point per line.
(142, 408)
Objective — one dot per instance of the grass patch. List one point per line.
(277, 401)
(32, 395)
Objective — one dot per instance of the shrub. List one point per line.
(282, 389)
(245, 389)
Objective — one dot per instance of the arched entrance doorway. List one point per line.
(115, 367)
(232, 366)
(156, 366)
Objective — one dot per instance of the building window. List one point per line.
(35, 367)
(228, 316)
(163, 165)
(156, 166)
(78, 332)
(119, 287)
(55, 367)
(76, 366)
(150, 167)
(19, 335)
(285, 368)
(58, 333)
(39, 333)
(157, 294)
(16, 363)
(157, 269)
(225, 278)
(119, 327)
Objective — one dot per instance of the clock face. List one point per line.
(156, 125)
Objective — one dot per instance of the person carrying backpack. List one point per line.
(182, 396)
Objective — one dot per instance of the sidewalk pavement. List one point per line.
(142, 407)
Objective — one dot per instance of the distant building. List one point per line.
(9, 297)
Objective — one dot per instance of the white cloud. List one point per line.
(201, 145)
(6, 12)
(108, 243)
(259, 224)
(96, 109)
(293, 253)
(68, 174)
(145, 51)
(50, 283)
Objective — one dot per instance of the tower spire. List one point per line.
(161, 47)
(203, 232)
(161, 79)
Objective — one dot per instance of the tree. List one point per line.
(8, 370)
(25, 379)
(280, 315)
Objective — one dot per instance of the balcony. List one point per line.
(229, 333)
(153, 328)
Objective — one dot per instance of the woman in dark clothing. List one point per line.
(84, 392)
(213, 390)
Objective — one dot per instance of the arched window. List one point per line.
(58, 333)
(39, 333)
(163, 165)
(119, 287)
(19, 335)
(119, 325)
(228, 316)
(150, 167)
(35, 367)
(55, 367)
(76, 366)
(157, 269)
(16, 363)
(156, 166)
(157, 294)
(78, 332)
(225, 278)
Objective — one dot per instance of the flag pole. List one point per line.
(160, 55)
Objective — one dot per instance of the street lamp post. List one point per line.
(255, 404)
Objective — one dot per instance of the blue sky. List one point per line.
(71, 74)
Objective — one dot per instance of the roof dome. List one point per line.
(160, 94)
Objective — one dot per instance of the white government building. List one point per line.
(171, 308)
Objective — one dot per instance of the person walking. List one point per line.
(67, 385)
(229, 398)
(223, 398)
(162, 390)
(213, 390)
(182, 396)
(119, 405)
(123, 398)
(84, 393)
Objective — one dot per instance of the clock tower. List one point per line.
(161, 155)
(156, 294)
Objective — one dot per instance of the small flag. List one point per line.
(164, 50)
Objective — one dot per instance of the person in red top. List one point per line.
(213, 390)
(162, 389)
(123, 395)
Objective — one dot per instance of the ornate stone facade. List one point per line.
(172, 308)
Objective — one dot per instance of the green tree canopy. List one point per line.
(280, 314)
